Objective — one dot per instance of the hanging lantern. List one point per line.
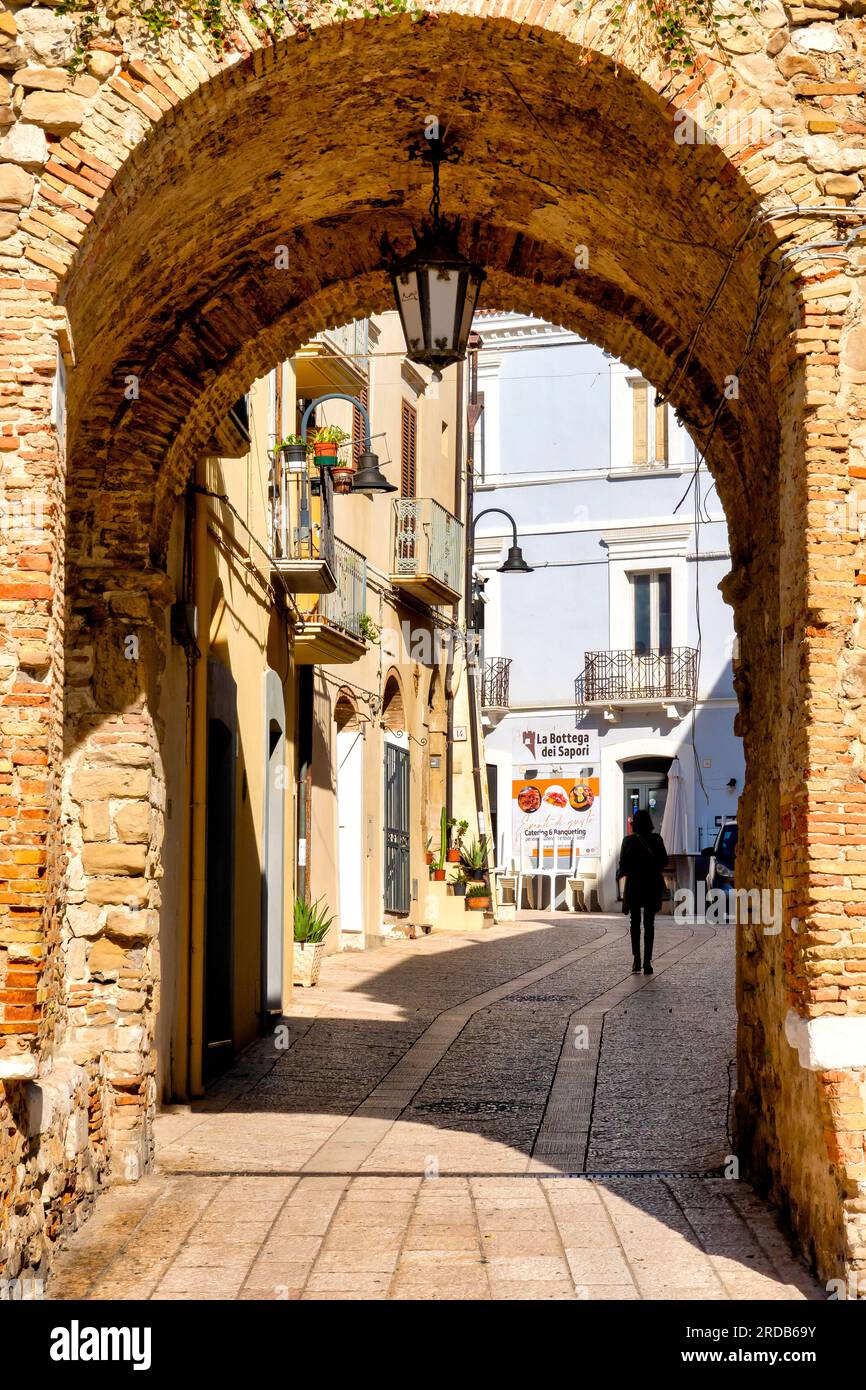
(435, 287)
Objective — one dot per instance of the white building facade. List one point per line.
(617, 650)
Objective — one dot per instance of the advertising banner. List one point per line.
(555, 815)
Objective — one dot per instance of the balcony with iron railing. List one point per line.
(495, 678)
(427, 551)
(330, 630)
(327, 577)
(302, 541)
(616, 679)
(336, 359)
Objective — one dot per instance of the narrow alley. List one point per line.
(502, 1114)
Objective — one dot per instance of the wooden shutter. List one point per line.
(661, 451)
(358, 425)
(640, 404)
(408, 449)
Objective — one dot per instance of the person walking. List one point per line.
(642, 856)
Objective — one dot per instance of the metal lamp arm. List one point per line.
(339, 396)
(487, 512)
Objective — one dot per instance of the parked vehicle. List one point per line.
(720, 872)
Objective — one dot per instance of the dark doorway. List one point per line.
(219, 873)
(645, 788)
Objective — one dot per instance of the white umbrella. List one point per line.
(675, 821)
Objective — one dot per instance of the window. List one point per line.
(649, 425)
(408, 449)
(651, 608)
(358, 425)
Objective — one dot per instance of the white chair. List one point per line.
(549, 859)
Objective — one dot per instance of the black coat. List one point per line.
(641, 862)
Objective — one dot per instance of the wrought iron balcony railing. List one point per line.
(345, 607)
(618, 677)
(302, 537)
(428, 550)
(351, 340)
(495, 678)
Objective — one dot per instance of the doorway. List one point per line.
(219, 872)
(645, 788)
(350, 822)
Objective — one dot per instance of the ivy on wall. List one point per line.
(668, 30)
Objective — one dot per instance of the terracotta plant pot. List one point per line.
(307, 962)
(453, 856)
(342, 478)
(326, 455)
(428, 857)
(439, 875)
(478, 904)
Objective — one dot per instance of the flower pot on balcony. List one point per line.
(342, 478)
(295, 456)
(307, 962)
(326, 454)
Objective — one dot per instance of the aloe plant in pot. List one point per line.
(312, 922)
(473, 857)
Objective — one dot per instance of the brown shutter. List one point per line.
(661, 434)
(358, 425)
(640, 403)
(408, 449)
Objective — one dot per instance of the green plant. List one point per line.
(292, 441)
(443, 838)
(330, 434)
(368, 629)
(311, 922)
(474, 855)
(668, 30)
(477, 890)
(460, 826)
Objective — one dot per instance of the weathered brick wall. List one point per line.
(141, 206)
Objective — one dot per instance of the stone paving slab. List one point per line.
(430, 1131)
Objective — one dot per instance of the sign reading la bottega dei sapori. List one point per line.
(545, 741)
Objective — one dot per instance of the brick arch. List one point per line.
(147, 249)
(203, 309)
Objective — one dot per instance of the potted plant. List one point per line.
(294, 450)
(311, 925)
(326, 444)
(458, 884)
(428, 850)
(458, 829)
(473, 857)
(477, 897)
(368, 630)
(438, 872)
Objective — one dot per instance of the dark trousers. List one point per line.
(649, 931)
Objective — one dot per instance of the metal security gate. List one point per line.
(396, 828)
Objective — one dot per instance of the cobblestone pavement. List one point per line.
(504, 1113)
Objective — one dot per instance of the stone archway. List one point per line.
(192, 222)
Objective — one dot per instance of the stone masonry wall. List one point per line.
(141, 203)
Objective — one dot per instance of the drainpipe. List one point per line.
(199, 795)
(449, 668)
(471, 656)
